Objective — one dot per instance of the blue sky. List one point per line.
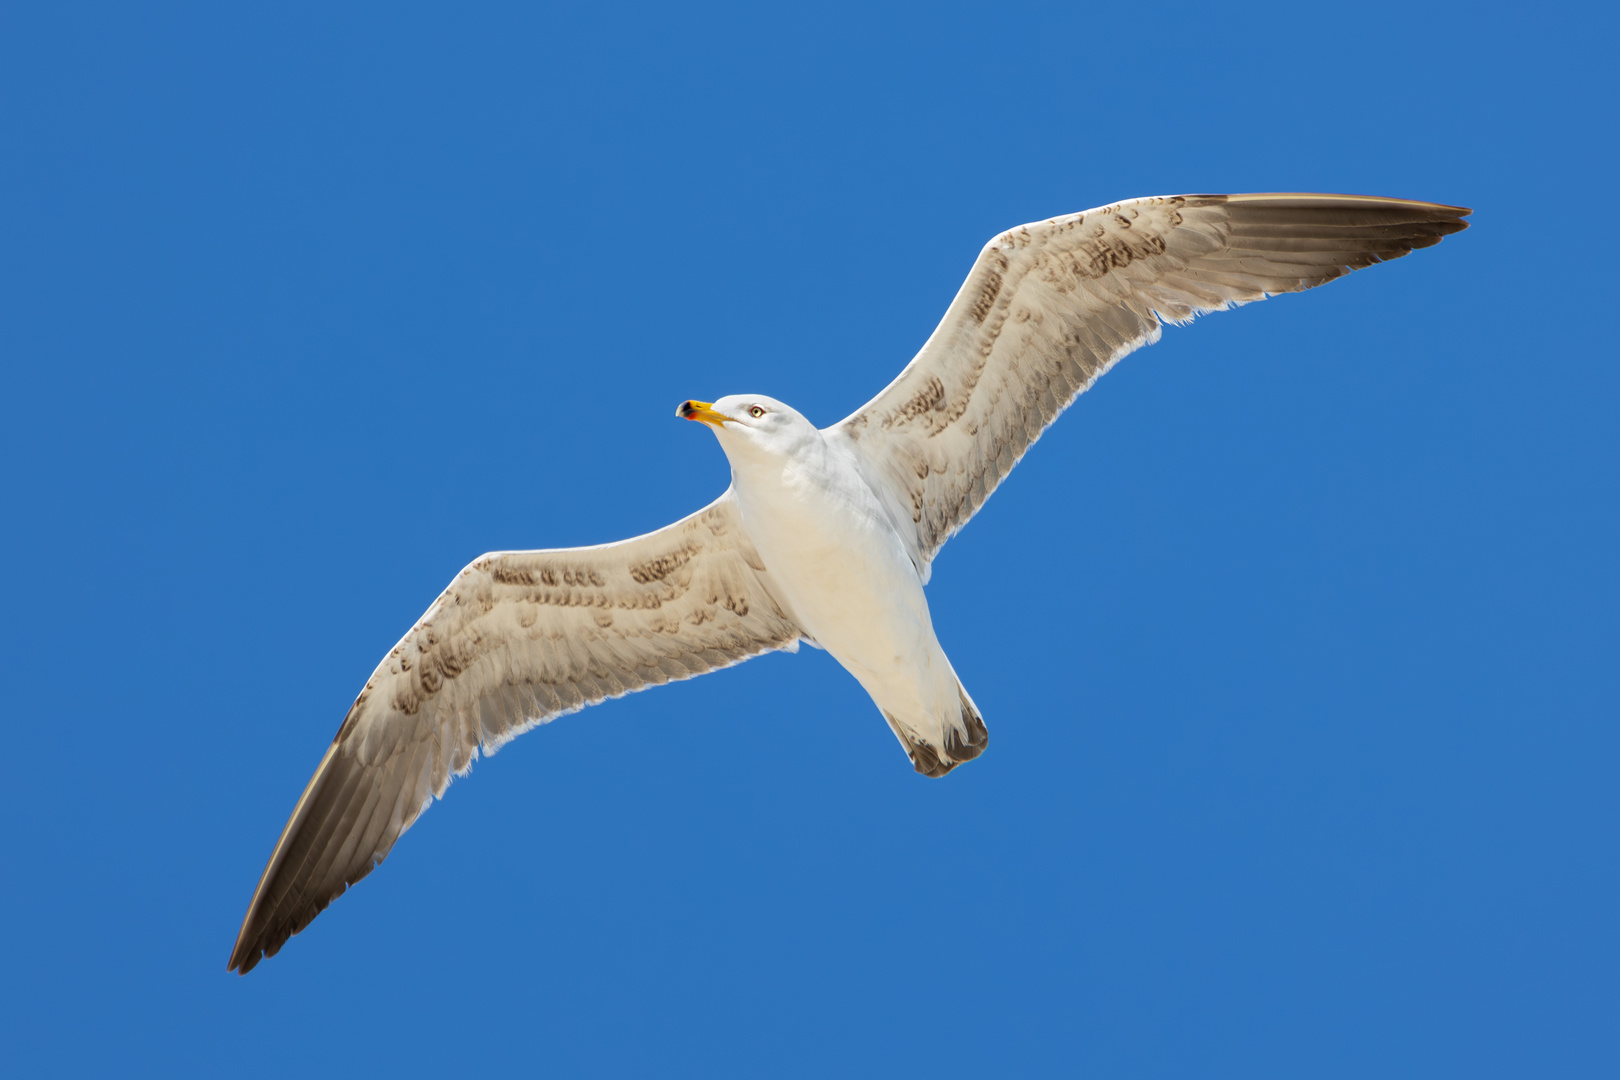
(1296, 635)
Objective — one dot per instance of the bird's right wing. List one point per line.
(1049, 307)
(518, 638)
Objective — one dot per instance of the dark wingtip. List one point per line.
(242, 964)
(247, 953)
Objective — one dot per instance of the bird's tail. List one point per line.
(964, 738)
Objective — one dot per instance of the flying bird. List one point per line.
(825, 535)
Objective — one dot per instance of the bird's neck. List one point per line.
(770, 468)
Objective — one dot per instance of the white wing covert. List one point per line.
(1049, 307)
(517, 639)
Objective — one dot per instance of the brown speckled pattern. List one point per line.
(1049, 307)
(517, 639)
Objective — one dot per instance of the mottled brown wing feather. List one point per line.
(1049, 307)
(517, 639)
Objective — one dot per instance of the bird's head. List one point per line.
(751, 424)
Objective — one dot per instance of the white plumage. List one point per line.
(824, 535)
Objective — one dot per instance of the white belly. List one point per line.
(831, 550)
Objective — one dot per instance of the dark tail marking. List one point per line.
(929, 761)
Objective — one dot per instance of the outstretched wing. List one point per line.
(518, 638)
(1049, 307)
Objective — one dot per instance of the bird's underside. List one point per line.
(519, 638)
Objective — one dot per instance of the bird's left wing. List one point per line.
(1049, 307)
(518, 638)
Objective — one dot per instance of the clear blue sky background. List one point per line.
(1296, 636)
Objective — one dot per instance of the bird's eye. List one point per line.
(756, 412)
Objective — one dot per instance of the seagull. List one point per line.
(825, 535)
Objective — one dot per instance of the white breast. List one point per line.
(829, 545)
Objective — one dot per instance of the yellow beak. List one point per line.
(702, 411)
